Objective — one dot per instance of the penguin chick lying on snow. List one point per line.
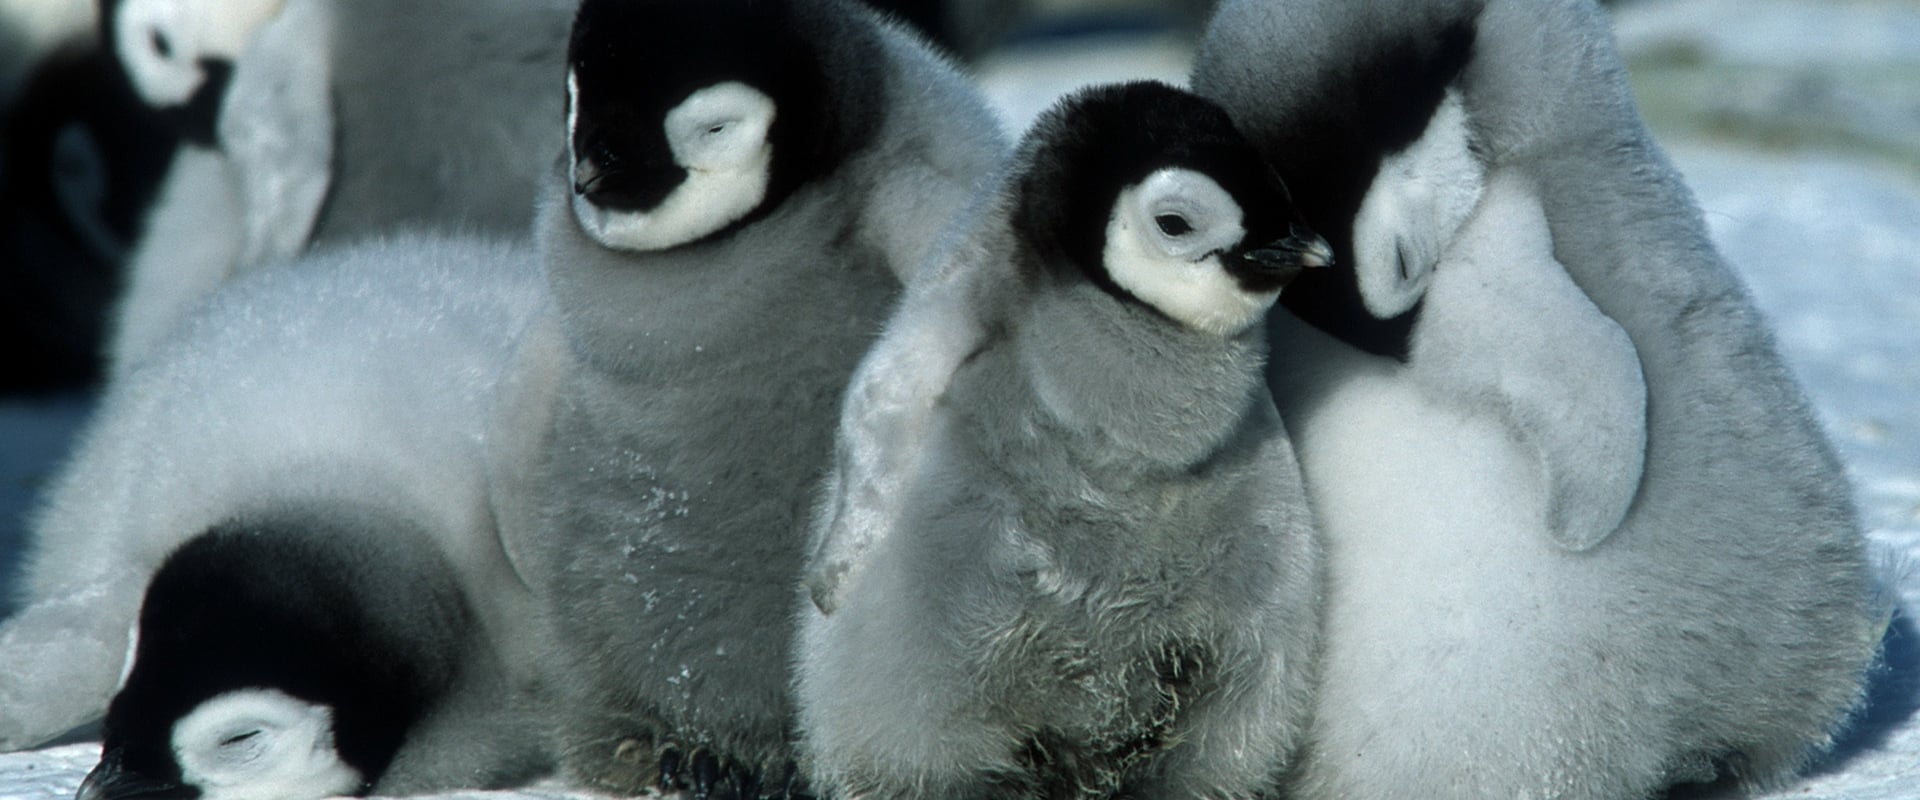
(1066, 550)
(320, 122)
(748, 185)
(356, 390)
(290, 654)
(1584, 539)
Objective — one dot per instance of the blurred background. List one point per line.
(1797, 123)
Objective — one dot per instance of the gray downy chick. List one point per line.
(1065, 551)
(748, 186)
(1584, 537)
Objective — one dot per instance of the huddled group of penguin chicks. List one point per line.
(1373, 421)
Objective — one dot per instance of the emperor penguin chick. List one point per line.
(321, 122)
(363, 381)
(1086, 568)
(748, 186)
(290, 654)
(1584, 538)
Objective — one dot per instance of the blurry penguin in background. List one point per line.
(359, 390)
(1584, 537)
(1066, 551)
(323, 121)
(80, 158)
(748, 186)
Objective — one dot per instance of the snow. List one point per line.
(1797, 122)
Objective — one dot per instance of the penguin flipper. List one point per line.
(1506, 327)
(63, 655)
(884, 420)
(277, 127)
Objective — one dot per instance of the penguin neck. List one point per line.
(764, 290)
(1128, 392)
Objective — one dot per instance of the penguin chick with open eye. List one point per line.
(316, 122)
(1584, 538)
(370, 377)
(287, 654)
(1089, 569)
(748, 186)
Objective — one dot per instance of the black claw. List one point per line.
(670, 769)
(706, 772)
(744, 783)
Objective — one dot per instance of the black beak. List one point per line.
(625, 189)
(111, 781)
(1275, 264)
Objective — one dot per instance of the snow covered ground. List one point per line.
(1797, 123)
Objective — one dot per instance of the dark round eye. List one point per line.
(1173, 224)
(161, 44)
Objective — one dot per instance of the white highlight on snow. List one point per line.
(260, 744)
(1420, 198)
(1178, 270)
(162, 42)
(719, 135)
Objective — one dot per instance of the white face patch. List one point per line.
(719, 136)
(1416, 204)
(163, 41)
(1164, 241)
(259, 744)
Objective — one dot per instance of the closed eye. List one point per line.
(716, 128)
(238, 738)
(1173, 224)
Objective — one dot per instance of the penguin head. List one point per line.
(1151, 193)
(245, 744)
(260, 672)
(180, 53)
(1360, 108)
(687, 117)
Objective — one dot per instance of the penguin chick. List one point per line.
(370, 376)
(283, 655)
(1098, 576)
(747, 187)
(319, 122)
(1526, 494)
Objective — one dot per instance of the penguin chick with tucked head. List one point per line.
(284, 656)
(1584, 538)
(1085, 564)
(747, 187)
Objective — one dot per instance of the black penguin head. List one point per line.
(1362, 116)
(686, 117)
(258, 675)
(180, 53)
(1152, 194)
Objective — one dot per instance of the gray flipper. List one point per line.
(1506, 327)
(277, 127)
(883, 423)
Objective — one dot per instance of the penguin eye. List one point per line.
(161, 44)
(1173, 224)
(715, 128)
(239, 738)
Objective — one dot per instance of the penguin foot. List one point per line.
(705, 775)
(699, 773)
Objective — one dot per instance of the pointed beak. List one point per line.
(110, 780)
(1275, 264)
(628, 188)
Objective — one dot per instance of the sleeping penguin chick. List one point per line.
(316, 122)
(1098, 576)
(748, 185)
(1584, 538)
(284, 655)
(360, 378)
